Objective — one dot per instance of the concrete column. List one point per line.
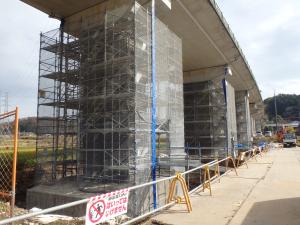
(209, 122)
(253, 114)
(244, 132)
(253, 127)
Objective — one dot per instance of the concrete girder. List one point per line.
(207, 38)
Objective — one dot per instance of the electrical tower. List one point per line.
(3, 102)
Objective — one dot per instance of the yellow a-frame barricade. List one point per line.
(185, 191)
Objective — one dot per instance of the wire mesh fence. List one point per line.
(8, 160)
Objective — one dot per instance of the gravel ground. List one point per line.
(5, 209)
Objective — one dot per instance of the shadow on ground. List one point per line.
(275, 212)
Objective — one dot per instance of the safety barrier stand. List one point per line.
(185, 191)
(267, 149)
(233, 163)
(254, 154)
(234, 166)
(217, 171)
(260, 152)
(280, 146)
(242, 157)
(206, 180)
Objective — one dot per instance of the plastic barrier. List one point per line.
(185, 191)
(217, 171)
(233, 163)
(207, 180)
(242, 157)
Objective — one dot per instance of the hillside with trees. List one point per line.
(28, 124)
(288, 107)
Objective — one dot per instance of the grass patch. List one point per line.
(26, 164)
(26, 156)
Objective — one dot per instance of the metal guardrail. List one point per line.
(84, 201)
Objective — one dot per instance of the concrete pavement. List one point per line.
(268, 193)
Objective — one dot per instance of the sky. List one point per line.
(20, 27)
(268, 31)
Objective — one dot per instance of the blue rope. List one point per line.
(224, 84)
(153, 129)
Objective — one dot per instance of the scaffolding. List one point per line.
(107, 103)
(207, 125)
(57, 106)
(94, 106)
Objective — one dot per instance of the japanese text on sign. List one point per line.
(106, 206)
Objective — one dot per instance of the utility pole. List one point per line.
(275, 105)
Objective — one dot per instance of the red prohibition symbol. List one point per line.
(96, 211)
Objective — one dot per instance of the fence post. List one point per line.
(14, 168)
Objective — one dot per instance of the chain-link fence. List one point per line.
(8, 160)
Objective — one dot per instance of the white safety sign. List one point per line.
(106, 206)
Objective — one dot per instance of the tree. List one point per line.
(288, 107)
(290, 130)
(28, 124)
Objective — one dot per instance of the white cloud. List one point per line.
(269, 36)
(20, 27)
(286, 86)
(282, 17)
